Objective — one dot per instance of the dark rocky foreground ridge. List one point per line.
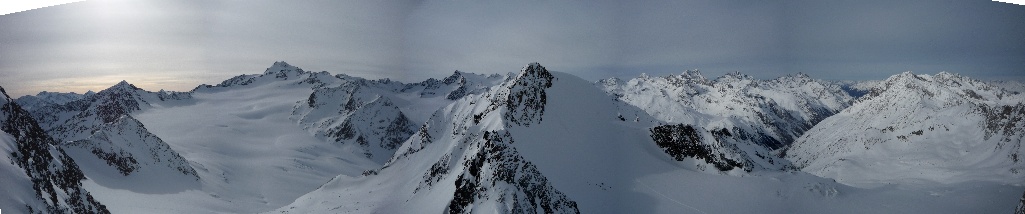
(55, 178)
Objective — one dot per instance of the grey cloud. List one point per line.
(151, 43)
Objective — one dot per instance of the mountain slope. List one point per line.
(258, 141)
(733, 121)
(471, 157)
(378, 115)
(471, 165)
(920, 128)
(350, 114)
(40, 178)
(106, 132)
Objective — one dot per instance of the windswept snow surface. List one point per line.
(250, 157)
(942, 128)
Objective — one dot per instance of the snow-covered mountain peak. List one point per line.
(120, 99)
(914, 127)
(735, 75)
(42, 99)
(455, 77)
(282, 69)
(944, 89)
(37, 176)
(693, 75)
(122, 86)
(525, 95)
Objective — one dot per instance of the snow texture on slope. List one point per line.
(106, 132)
(350, 114)
(912, 128)
(733, 121)
(472, 165)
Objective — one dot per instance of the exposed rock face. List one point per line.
(471, 164)
(55, 178)
(1021, 205)
(683, 141)
(736, 120)
(488, 170)
(126, 145)
(353, 113)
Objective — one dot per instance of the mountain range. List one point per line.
(294, 141)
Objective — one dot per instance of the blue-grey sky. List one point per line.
(177, 45)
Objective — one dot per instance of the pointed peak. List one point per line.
(280, 64)
(692, 74)
(280, 67)
(455, 77)
(902, 75)
(535, 71)
(533, 67)
(4, 92)
(736, 75)
(121, 86)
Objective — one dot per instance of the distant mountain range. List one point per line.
(294, 141)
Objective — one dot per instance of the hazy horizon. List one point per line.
(177, 45)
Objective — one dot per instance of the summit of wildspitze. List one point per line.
(942, 128)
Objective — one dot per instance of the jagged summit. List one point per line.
(122, 86)
(281, 63)
(526, 97)
(455, 77)
(534, 71)
(735, 75)
(282, 69)
(37, 175)
(693, 75)
(5, 99)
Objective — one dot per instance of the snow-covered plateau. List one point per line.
(289, 140)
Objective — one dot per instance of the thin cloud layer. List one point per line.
(176, 45)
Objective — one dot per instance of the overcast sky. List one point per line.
(177, 45)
